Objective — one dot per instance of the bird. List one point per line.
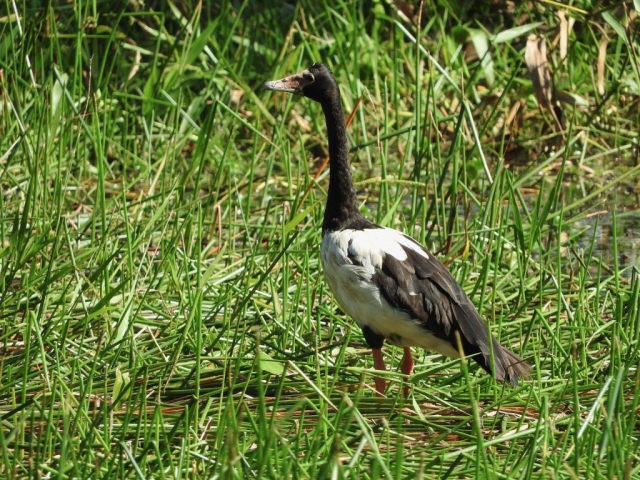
(387, 282)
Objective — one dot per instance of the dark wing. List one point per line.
(423, 288)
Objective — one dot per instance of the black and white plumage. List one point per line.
(387, 282)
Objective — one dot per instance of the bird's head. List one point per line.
(316, 82)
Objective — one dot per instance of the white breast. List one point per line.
(357, 293)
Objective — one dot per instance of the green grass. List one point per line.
(162, 308)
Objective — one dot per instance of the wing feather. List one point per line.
(423, 288)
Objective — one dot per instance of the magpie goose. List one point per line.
(387, 282)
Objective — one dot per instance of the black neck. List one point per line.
(342, 203)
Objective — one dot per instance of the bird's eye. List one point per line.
(308, 77)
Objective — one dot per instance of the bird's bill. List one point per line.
(292, 84)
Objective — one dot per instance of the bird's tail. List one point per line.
(515, 367)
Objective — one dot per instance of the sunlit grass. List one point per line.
(162, 308)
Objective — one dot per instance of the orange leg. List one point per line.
(407, 362)
(378, 363)
(407, 366)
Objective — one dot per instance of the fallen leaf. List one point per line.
(270, 365)
(564, 34)
(478, 48)
(136, 65)
(302, 123)
(512, 112)
(236, 96)
(602, 55)
(513, 33)
(571, 99)
(536, 58)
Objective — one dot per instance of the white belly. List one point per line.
(359, 297)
